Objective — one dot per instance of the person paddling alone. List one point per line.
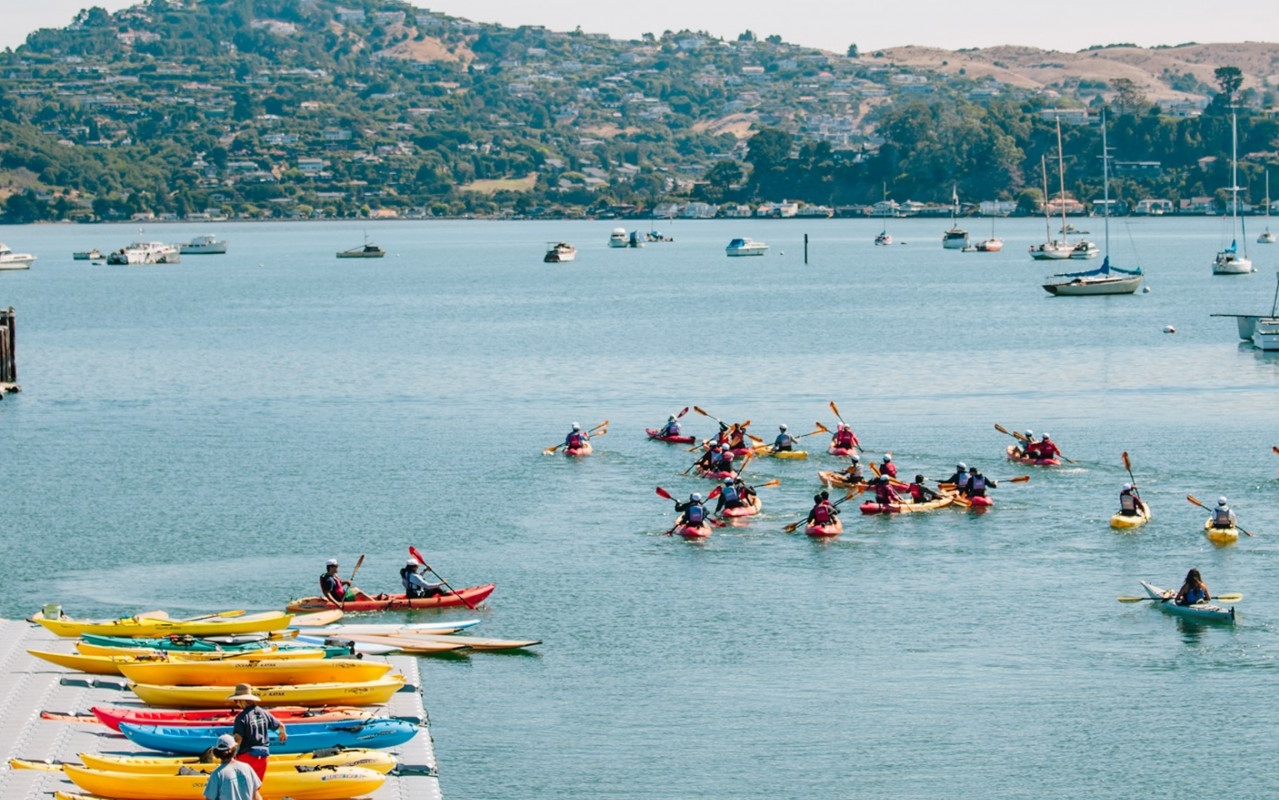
(414, 584)
(784, 442)
(576, 438)
(1223, 516)
(1130, 503)
(231, 779)
(1193, 590)
(252, 729)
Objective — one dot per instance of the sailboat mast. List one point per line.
(1061, 175)
(1043, 171)
(1234, 181)
(1105, 180)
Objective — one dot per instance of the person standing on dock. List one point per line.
(252, 729)
(232, 779)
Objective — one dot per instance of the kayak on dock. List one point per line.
(325, 784)
(212, 625)
(307, 694)
(112, 717)
(1199, 611)
(472, 596)
(376, 760)
(268, 671)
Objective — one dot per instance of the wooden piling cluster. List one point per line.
(8, 359)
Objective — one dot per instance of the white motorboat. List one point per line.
(1230, 261)
(145, 253)
(1084, 250)
(618, 238)
(745, 247)
(203, 246)
(1105, 279)
(1265, 330)
(1266, 236)
(87, 255)
(954, 237)
(12, 260)
(559, 253)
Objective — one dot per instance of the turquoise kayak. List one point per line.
(187, 644)
(377, 733)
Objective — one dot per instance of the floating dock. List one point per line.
(29, 686)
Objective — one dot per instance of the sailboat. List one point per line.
(954, 238)
(885, 238)
(994, 244)
(1266, 236)
(1050, 249)
(1265, 333)
(1105, 279)
(1229, 261)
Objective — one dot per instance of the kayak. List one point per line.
(1034, 462)
(980, 502)
(833, 528)
(717, 475)
(838, 479)
(145, 626)
(376, 760)
(113, 664)
(282, 649)
(654, 435)
(325, 784)
(112, 717)
(1220, 536)
(694, 531)
(1199, 611)
(1121, 521)
(474, 643)
(274, 672)
(192, 740)
(749, 510)
(316, 618)
(872, 507)
(392, 628)
(738, 452)
(474, 595)
(307, 694)
(378, 644)
(584, 450)
(841, 451)
(784, 454)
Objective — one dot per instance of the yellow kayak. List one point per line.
(272, 672)
(150, 626)
(786, 454)
(339, 783)
(1121, 522)
(308, 694)
(95, 664)
(270, 651)
(376, 760)
(1220, 536)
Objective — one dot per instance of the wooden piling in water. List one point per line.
(8, 357)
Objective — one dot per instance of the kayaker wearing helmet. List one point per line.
(671, 428)
(730, 496)
(414, 584)
(1029, 447)
(919, 493)
(977, 483)
(336, 590)
(723, 460)
(784, 441)
(252, 729)
(884, 492)
(854, 472)
(692, 512)
(1222, 515)
(960, 479)
(1047, 448)
(1193, 590)
(887, 467)
(576, 438)
(737, 437)
(231, 779)
(1130, 504)
(844, 437)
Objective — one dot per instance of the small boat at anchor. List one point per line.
(12, 260)
(367, 250)
(205, 245)
(745, 247)
(559, 253)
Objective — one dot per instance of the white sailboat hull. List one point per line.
(1228, 263)
(1265, 333)
(1094, 286)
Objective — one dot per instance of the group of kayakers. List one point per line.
(733, 493)
(338, 591)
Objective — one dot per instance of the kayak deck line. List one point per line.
(33, 686)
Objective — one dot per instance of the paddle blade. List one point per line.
(1192, 499)
(416, 555)
(1019, 479)
(550, 451)
(601, 425)
(835, 409)
(822, 427)
(1127, 598)
(773, 482)
(716, 492)
(681, 414)
(1002, 429)
(359, 563)
(1127, 462)
(1228, 597)
(702, 411)
(660, 493)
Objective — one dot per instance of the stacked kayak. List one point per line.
(1220, 536)
(271, 671)
(364, 693)
(114, 664)
(112, 717)
(327, 784)
(656, 435)
(1013, 455)
(376, 760)
(872, 507)
(831, 529)
(1122, 521)
(470, 596)
(153, 626)
(1199, 611)
(291, 648)
(750, 509)
(304, 737)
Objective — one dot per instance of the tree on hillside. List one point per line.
(1229, 79)
(852, 50)
(1129, 98)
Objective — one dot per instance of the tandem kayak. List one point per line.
(829, 530)
(750, 509)
(472, 596)
(322, 784)
(694, 531)
(1122, 521)
(308, 694)
(841, 451)
(784, 454)
(576, 452)
(656, 436)
(1220, 536)
(1013, 455)
(376, 760)
(980, 502)
(872, 507)
(839, 480)
(1199, 611)
(112, 717)
(738, 452)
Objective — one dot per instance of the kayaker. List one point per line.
(1130, 504)
(252, 729)
(1193, 590)
(784, 441)
(724, 463)
(978, 483)
(336, 590)
(1047, 448)
(887, 467)
(844, 437)
(693, 512)
(737, 437)
(959, 480)
(414, 584)
(919, 493)
(854, 472)
(1028, 445)
(885, 495)
(1223, 516)
(823, 511)
(730, 497)
(747, 493)
(231, 779)
(576, 438)
(671, 428)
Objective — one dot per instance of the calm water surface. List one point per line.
(204, 435)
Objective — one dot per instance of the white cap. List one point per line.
(412, 562)
(1046, 435)
(576, 427)
(332, 562)
(696, 497)
(1127, 487)
(1029, 433)
(888, 457)
(226, 743)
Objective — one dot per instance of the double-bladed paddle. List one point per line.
(551, 450)
(710, 496)
(851, 494)
(1229, 597)
(1192, 499)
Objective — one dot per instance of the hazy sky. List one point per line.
(950, 24)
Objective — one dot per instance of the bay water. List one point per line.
(204, 435)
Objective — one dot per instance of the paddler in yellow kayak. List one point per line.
(1223, 516)
(784, 441)
(1130, 503)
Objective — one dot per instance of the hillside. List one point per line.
(314, 108)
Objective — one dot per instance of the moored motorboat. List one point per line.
(145, 253)
(1220, 536)
(1084, 250)
(1122, 521)
(559, 253)
(745, 247)
(1013, 455)
(618, 238)
(12, 260)
(654, 433)
(829, 530)
(471, 596)
(204, 245)
(87, 255)
(1199, 611)
(366, 250)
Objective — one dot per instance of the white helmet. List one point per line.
(1221, 501)
(1045, 436)
(411, 563)
(1030, 434)
(728, 481)
(723, 446)
(576, 427)
(855, 458)
(696, 497)
(888, 457)
(1127, 487)
(961, 466)
(781, 428)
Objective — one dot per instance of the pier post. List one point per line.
(806, 248)
(8, 359)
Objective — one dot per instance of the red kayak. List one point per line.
(981, 502)
(577, 452)
(694, 531)
(653, 434)
(830, 529)
(112, 717)
(716, 475)
(841, 451)
(871, 507)
(1034, 462)
(474, 595)
(750, 509)
(738, 452)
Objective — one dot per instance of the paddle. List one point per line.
(1229, 597)
(1018, 479)
(851, 494)
(150, 615)
(844, 422)
(773, 482)
(761, 449)
(1192, 499)
(1144, 509)
(698, 462)
(551, 450)
(740, 425)
(418, 558)
(1275, 448)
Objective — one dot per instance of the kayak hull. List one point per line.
(1121, 521)
(749, 510)
(980, 502)
(841, 451)
(655, 436)
(135, 626)
(578, 452)
(1034, 462)
(376, 760)
(872, 507)
(717, 475)
(1220, 536)
(326, 784)
(112, 717)
(474, 595)
(1203, 612)
(837, 480)
(274, 672)
(309, 694)
(828, 531)
(694, 531)
(788, 454)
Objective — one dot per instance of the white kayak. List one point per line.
(364, 648)
(391, 628)
(1199, 611)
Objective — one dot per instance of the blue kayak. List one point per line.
(378, 732)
